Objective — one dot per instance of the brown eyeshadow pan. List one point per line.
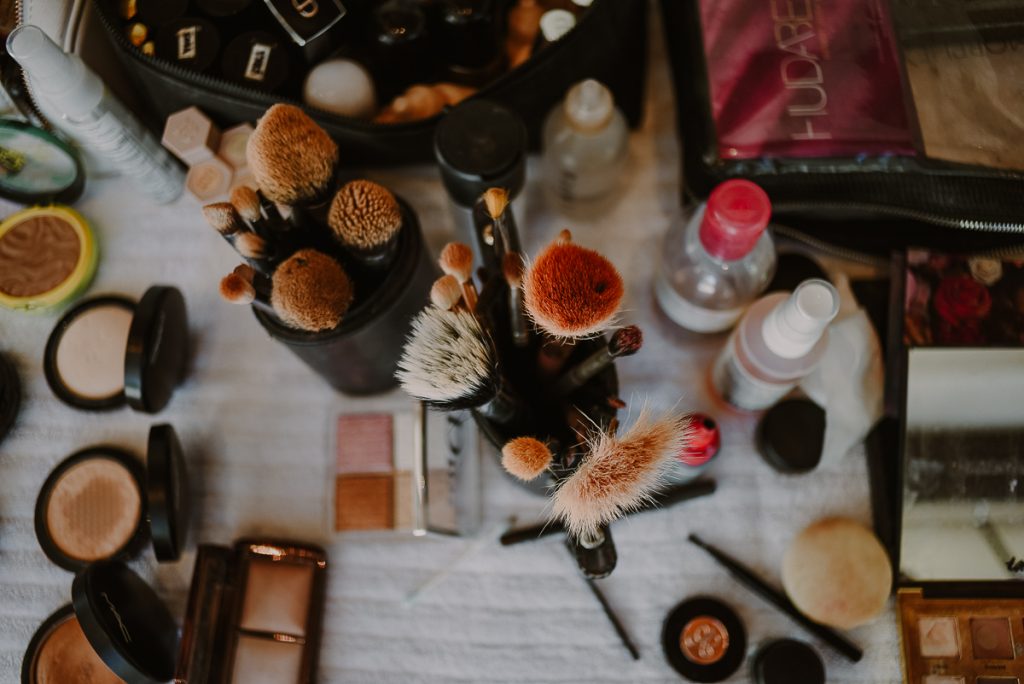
(992, 638)
(277, 597)
(372, 490)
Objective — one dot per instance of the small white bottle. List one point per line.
(585, 145)
(780, 340)
(93, 116)
(713, 266)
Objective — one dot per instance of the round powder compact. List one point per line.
(837, 573)
(108, 351)
(704, 640)
(786, 661)
(94, 505)
(59, 653)
(47, 257)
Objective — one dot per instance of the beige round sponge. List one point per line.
(837, 573)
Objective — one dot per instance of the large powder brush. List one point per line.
(448, 360)
(572, 292)
(311, 291)
(292, 159)
(620, 473)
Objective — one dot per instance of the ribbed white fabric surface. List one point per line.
(256, 425)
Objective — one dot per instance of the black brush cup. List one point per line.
(360, 356)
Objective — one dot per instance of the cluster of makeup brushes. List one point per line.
(528, 355)
(311, 249)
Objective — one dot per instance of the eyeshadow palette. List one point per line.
(961, 641)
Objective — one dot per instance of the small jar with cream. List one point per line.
(110, 351)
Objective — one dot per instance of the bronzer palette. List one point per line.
(961, 641)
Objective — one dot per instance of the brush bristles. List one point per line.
(626, 341)
(223, 218)
(572, 292)
(512, 268)
(526, 458)
(619, 474)
(246, 272)
(448, 361)
(311, 291)
(446, 292)
(251, 246)
(247, 202)
(292, 159)
(457, 259)
(236, 289)
(364, 215)
(496, 199)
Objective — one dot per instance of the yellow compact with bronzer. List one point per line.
(47, 258)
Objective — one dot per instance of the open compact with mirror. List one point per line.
(961, 595)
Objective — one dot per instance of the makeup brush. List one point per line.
(311, 291)
(293, 160)
(617, 625)
(247, 203)
(512, 268)
(235, 289)
(624, 342)
(224, 218)
(446, 293)
(572, 292)
(496, 201)
(457, 260)
(619, 473)
(365, 219)
(526, 458)
(746, 577)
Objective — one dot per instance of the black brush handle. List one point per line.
(746, 577)
(614, 619)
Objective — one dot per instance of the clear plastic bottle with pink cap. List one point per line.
(716, 264)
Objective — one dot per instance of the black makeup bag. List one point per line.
(870, 123)
(608, 44)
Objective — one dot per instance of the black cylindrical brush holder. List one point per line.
(359, 357)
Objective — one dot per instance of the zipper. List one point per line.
(827, 247)
(967, 224)
(255, 96)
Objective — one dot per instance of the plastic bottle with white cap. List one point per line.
(92, 115)
(779, 340)
(585, 145)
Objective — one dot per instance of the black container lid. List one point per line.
(256, 59)
(788, 661)
(10, 395)
(49, 170)
(683, 614)
(159, 12)
(791, 435)
(223, 8)
(167, 493)
(190, 42)
(126, 623)
(157, 349)
(478, 145)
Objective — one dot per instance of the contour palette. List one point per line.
(961, 641)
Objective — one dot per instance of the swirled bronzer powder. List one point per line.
(67, 658)
(37, 255)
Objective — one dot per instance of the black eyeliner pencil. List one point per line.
(663, 499)
(746, 577)
(614, 619)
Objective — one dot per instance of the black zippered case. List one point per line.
(608, 44)
(869, 201)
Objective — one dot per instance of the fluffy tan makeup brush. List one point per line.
(247, 202)
(619, 473)
(457, 260)
(292, 159)
(572, 292)
(365, 219)
(311, 291)
(446, 293)
(526, 458)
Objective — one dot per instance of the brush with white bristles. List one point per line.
(457, 260)
(620, 473)
(450, 362)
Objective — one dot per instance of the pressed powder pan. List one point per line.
(100, 503)
(109, 351)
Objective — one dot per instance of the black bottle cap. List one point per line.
(10, 395)
(791, 435)
(717, 634)
(786, 661)
(189, 42)
(157, 349)
(256, 59)
(126, 623)
(167, 493)
(156, 13)
(480, 144)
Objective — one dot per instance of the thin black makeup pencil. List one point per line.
(663, 499)
(746, 577)
(614, 619)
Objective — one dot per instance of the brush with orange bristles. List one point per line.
(446, 293)
(619, 473)
(269, 226)
(237, 288)
(526, 458)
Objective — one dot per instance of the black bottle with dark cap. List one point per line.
(479, 145)
(401, 47)
(470, 41)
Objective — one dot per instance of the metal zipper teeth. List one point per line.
(913, 214)
(826, 247)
